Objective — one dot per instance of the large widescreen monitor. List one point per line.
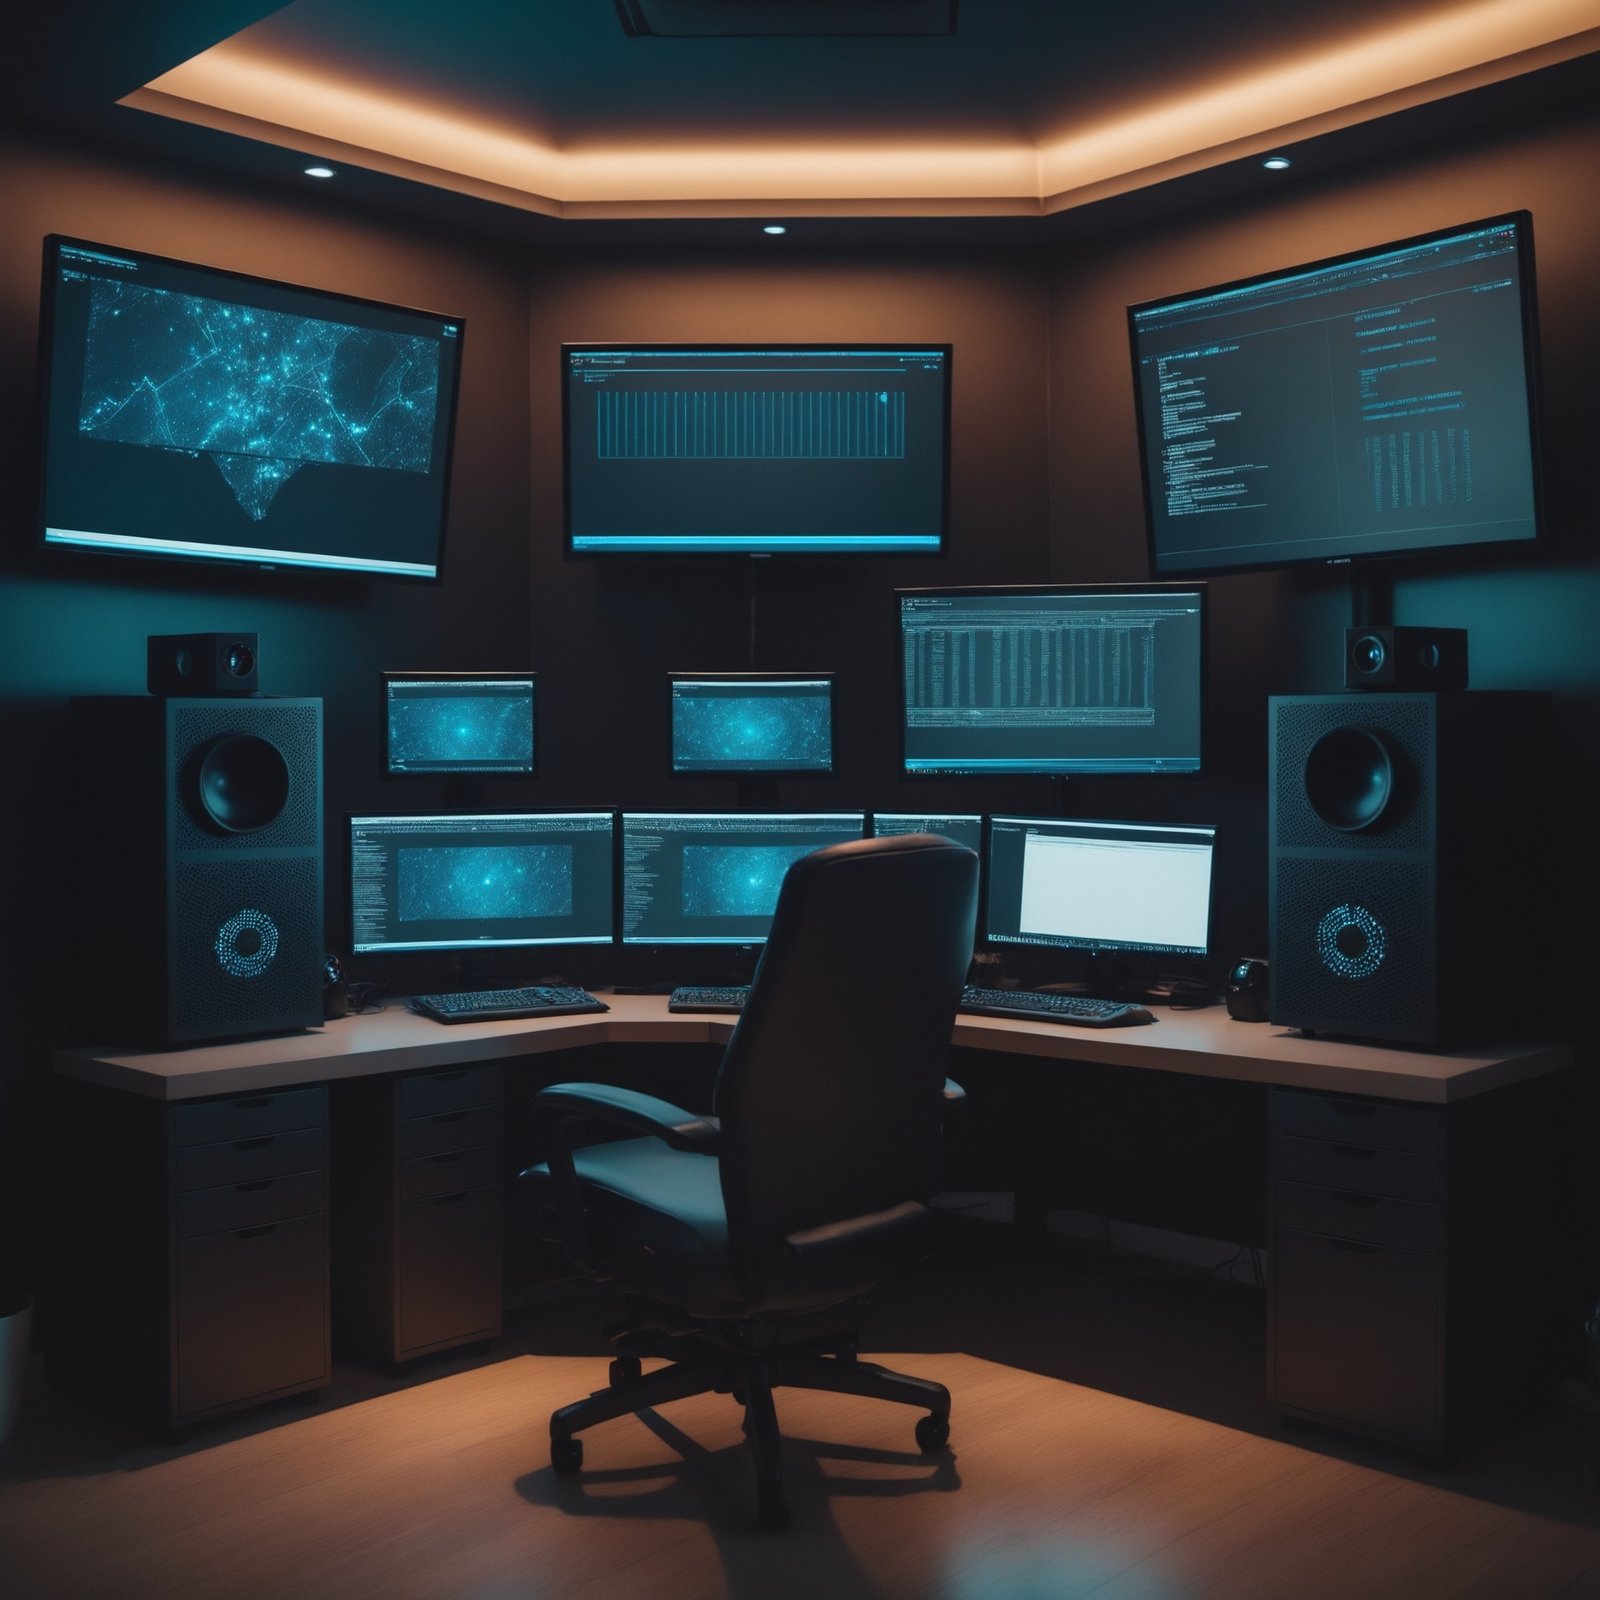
(458, 724)
(454, 880)
(712, 877)
(1379, 403)
(1136, 887)
(1053, 680)
(756, 450)
(752, 724)
(213, 416)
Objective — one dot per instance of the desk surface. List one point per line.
(1206, 1043)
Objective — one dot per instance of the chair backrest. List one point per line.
(830, 1090)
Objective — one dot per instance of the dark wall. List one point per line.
(73, 623)
(1531, 620)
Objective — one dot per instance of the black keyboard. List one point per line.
(719, 997)
(489, 1005)
(1045, 1005)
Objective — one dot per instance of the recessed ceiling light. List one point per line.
(774, 228)
(1277, 163)
(319, 172)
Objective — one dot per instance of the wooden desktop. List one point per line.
(1412, 1202)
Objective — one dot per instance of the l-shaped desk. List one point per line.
(1413, 1200)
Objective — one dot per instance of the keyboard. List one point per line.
(489, 1005)
(723, 997)
(1045, 1005)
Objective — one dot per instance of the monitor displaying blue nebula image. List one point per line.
(965, 828)
(458, 724)
(208, 415)
(709, 877)
(457, 880)
(741, 724)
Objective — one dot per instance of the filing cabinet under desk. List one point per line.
(194, 1273)
(419, 1212)
(1416, 1269)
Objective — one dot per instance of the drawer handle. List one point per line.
(252, 1188)
(256, 1233)
(260, 1143)
(1351, 1108)
(447, 1077)
(451, 1116)
(448, 1156)
(450, 1199)
(253, 1102)
(1354, 1152)
(1353, 1247)
(1348, 1197)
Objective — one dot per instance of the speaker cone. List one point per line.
(244, 782)
(1349, 778)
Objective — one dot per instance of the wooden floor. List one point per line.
(1109, 1439)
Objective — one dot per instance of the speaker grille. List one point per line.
(1383, 985)
(1407, 727)
(246, 946)
(294, 727)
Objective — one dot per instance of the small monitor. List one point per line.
(1378, 403)
(752, 724)
(480, 880)
(964, 828)
(207, 415)
(1140, 887)
(707, 878)
(1053, 680)
(756, 450)
(458, 724)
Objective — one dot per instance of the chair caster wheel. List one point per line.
(933, 1433)
(625, 1369)
(566, 1456)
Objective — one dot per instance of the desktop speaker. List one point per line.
(1405, 658)
(198, 837)
(202, 663)
(1404, 859)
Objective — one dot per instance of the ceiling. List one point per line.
(548, 117)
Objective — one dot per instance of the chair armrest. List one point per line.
(626, 1108)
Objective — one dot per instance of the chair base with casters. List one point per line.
(746, 1361)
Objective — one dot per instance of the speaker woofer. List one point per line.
(1349, 778)
(243, 782)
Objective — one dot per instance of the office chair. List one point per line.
(741, 1236)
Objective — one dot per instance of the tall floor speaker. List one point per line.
(1404, 834)
(198, 842)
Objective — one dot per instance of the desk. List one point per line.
(1410, 1191)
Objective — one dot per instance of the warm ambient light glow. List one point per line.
(286, 104)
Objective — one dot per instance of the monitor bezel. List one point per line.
(619, 885)
(328, 299)
(736, 551)
(986, 941)
(1522, 222)
(464, 774)
(732, 679)
(1164, 775)
(468, 814)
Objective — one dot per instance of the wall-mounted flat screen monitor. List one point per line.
(966, 828)
(704, 877)
(1057, 680)
(458, 724)
(212, 416)
(756, 450)
(1125, 886)
(1379, 403)
(455, 880)
(746, 724)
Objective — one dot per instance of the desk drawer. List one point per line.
(427, 1094)
(449, 1172)
(449, 1130)
(1348, 1214)
(272, 1155)
(249, 1116)
(1347, 1119)
(1403, 1174)
(248, 1205)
